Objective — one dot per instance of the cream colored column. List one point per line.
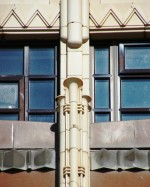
(62, 142)
(85, 146)
(73, 84)
(74, 72)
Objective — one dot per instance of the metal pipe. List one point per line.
(60, 101)
(73, 85)
(67, 157)
(63, 20)
(74, 23)
(85, 20)
(86, 180)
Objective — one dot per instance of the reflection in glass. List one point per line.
(102, 61)
(101, 93)
(102, 117)
(42, 117)
(41, 61)
(137, 57)
(9, 95)
(135, 93)
(41, 94)
(11, 61)
(135, 116)
(5, 116)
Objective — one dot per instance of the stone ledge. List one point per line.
(123, 134)
(26, 135)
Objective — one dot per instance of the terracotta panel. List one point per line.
(6, 134)
(28, 179)
(33, 135)
(122, 134)
(120, 179)
(142, 133)
(112, 135)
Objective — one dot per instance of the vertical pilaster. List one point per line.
(62, 137)
(74, 102)
(73, 84)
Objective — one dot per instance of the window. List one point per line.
(121, 82)
(102, 84)
(28, 81)
(134, 81)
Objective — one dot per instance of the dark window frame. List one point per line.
(121, 64)
(23, 80)
(97, 76)
(131, 74)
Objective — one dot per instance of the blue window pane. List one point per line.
(42, 118)
(102, 117)
(101, 93)
(132, 116)
(102, 61)
(135, 93)
(8, 95)
(42, 61)
(41, 94)
(9, 117)
(11, 61)
(137, 57)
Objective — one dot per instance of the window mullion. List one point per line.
(92, 80)
(21, 98)
(116, 85)
(112, 67)
(26, 72)
(55, 80)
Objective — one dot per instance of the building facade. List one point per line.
(74, 93)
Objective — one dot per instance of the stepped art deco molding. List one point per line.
(102, 16)
(120, 16)
(26, 17)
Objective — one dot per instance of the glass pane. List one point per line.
(42, 61)
(137, 57)
(132, 116)
(8, 95)
(42, 118)
(102, 117)
(101, 93)
(11, 61)
(9, 117)
(41, 94)
(102, 61)
(135, 93)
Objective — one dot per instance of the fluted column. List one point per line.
(74, 135)
(74, 76)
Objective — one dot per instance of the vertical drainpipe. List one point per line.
(62, 142)
(66, 169)
(63, 20)
(74, 23)
(73, 84)
(85, 20)
(85, 134)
